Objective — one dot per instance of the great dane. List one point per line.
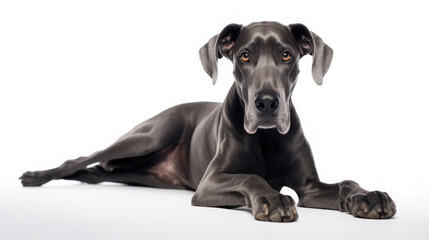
(240, 152)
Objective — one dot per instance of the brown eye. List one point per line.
(286, 56)
(245, 57)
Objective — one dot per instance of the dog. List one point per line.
(240, 152)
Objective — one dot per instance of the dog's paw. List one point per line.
(374, 205)
(34, 178)
(274, 207)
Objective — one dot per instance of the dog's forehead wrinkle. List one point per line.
(263, 27)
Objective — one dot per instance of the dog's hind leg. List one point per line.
(98, 174)
(149, 137)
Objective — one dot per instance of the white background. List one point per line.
(76, 75)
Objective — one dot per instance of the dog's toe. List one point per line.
(374, 205)
(275, 208)
(33, 179)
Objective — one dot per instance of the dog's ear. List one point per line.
(310, 43)
(218, 46)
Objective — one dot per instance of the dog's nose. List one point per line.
(267, 104)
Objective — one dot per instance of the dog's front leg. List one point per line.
(347, 196)
(233, 190)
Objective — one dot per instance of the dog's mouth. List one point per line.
(281, 123)
(266, 124)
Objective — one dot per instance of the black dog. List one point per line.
(239, 152)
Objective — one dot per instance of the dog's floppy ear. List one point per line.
(310, 43)
(218, 46)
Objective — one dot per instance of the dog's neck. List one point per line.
(233, 108)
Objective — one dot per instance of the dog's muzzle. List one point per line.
(267, 113)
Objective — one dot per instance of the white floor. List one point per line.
(70, 210)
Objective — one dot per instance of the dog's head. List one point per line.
(265, 57)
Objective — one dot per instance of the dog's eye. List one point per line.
(286, 56)
(245, 57)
